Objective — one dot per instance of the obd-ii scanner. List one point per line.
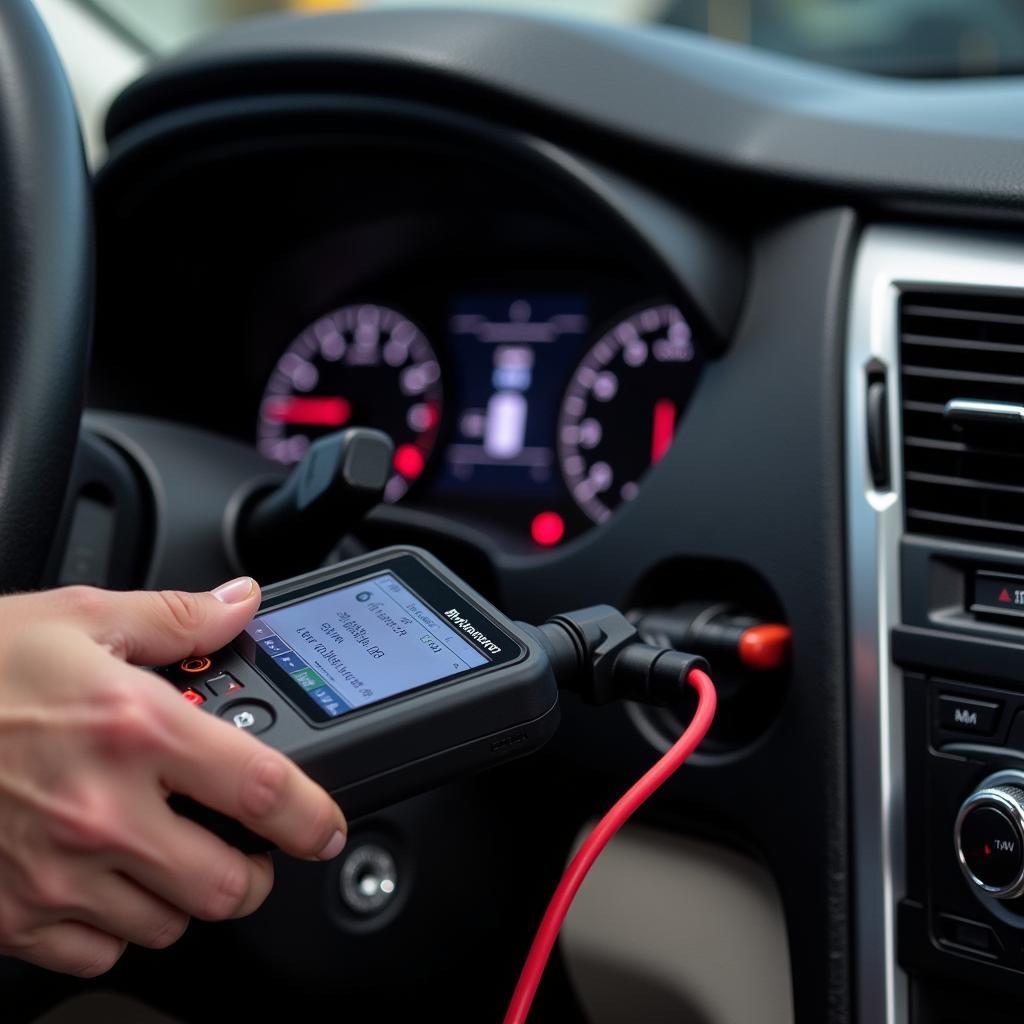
(380, 677)
(386, 675)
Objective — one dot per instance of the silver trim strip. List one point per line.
(889, 261)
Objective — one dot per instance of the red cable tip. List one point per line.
(765, 648)
(620, 813)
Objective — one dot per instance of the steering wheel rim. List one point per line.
(46, 291)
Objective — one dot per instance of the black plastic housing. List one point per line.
(377, 755)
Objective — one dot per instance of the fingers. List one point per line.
(72, 948)
(232, 772)
(157, 627)
(192, 869)
(118, 906)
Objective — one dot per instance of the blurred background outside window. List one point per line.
(932, 38)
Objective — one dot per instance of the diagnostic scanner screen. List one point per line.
(363, 643)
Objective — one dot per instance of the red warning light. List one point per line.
(547, 529)
(409, 461)
(312, 411)
(988, 850)
(1004, 596)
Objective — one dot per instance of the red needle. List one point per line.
(664, 427)
(314, 412)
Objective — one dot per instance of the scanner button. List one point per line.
(196, 664)
(223, 684)
(251, 715)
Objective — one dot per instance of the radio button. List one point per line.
(960, 931)
(977, 717)
(989, 836)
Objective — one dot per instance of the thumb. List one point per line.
(157, 627)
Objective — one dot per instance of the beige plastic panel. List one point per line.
(674, 931)
(103, 1008)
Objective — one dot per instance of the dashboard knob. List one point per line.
(990, 836)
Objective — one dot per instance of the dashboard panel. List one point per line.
(437, 179)
(530, 358)
(227, 229)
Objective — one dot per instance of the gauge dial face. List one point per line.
(362, 365)
(620, 411)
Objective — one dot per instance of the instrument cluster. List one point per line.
(533, 413)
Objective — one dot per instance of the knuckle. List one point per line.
(87, 825)
(167, 931)
(183, 609)
(264, 786)
(128, 724)
(84, 602)
(46, 888)
(226, 896)
(15, 922)
(96, 960)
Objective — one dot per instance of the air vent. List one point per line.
(963, 415)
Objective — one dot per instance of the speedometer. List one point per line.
(620, 411)
(362, 365)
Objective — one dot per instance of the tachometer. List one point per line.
(622, 405)
(362, 365)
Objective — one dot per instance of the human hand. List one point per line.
(91, 855)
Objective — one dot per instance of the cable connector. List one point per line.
(598, 653)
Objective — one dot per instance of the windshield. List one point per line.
(923, 38)
(916, 38)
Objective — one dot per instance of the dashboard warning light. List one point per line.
(547, 529)
(409, 461)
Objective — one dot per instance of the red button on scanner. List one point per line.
(193, 697)
(196, 664)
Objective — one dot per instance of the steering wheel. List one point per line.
(45, 291)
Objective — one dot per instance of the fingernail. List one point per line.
(334, 847)
(236, 591)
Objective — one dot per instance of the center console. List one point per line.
(935, 502)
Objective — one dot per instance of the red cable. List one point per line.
(544, 941)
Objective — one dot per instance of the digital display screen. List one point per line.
(511, 357)
(363, 643)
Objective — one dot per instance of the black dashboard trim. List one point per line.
(909, 145)
(705, 264)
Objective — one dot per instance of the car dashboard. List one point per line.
(653, 321)
(529, 361)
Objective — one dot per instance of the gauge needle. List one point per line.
(314, 412)
(663, 428)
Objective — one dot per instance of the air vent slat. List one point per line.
(967, 345)
(939, 480)
(962, 478)
(980, 524)
(938, 408)
(962, 447)
(933, 373)
(973, 316)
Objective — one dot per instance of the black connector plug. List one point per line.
(598, 653)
